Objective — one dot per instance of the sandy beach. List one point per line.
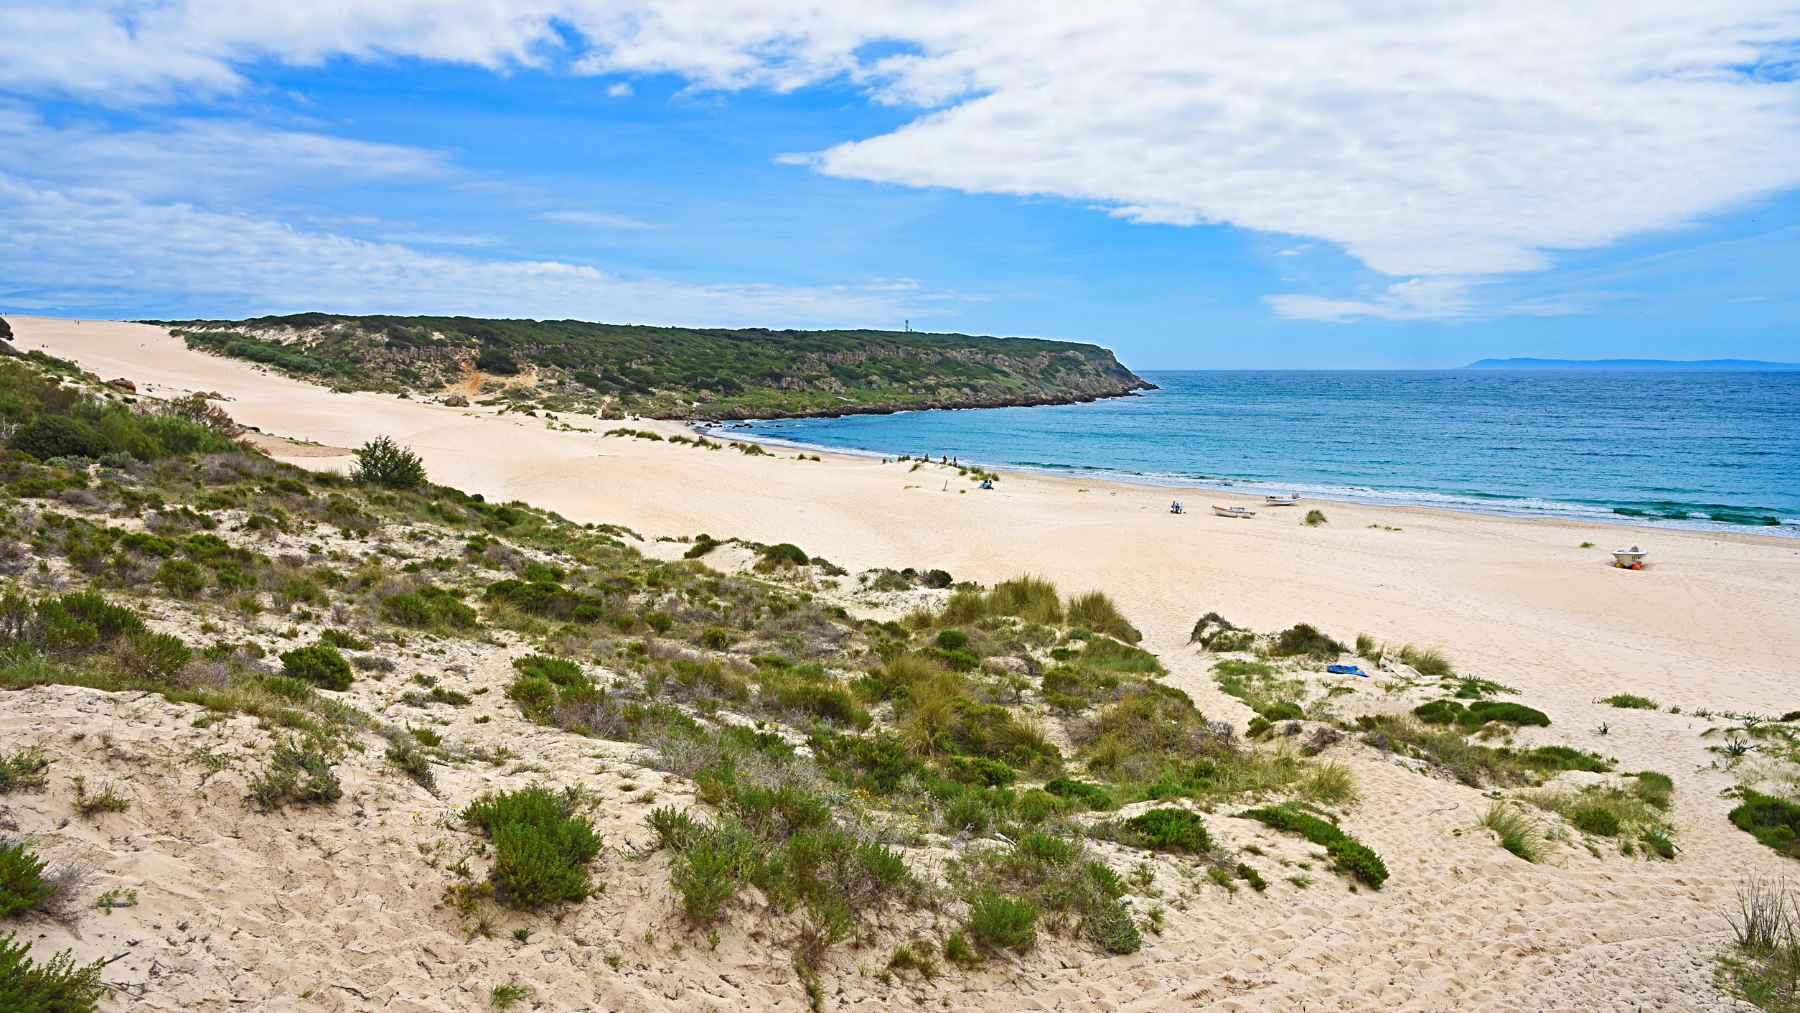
(1713, 623)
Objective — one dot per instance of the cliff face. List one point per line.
(673, 372)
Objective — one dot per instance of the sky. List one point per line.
(1220, 185)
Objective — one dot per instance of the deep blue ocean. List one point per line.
(1698, 449)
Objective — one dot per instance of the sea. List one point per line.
(1717, 450)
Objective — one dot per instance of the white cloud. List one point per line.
(199, 159)
(92, 247)
(595, 219)
(619, 89)
(1428, 298)
(1448, 140)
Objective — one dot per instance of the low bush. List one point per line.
(1478, 713)
(541, 846)
(999, 922)
(781, 556)
(58, 985)
(1631, 701)
(1302, 639)
(1314, 518)
(1773, 821)
(319, 664)
(1091, 796)
(1095, 611)
(295, 775)
(383, 462)
(428, 608)
(1348, 855)
(1168, 830)
(23, 886)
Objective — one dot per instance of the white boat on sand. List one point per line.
(1629, 559)
(1233, 511)
(1281, 499)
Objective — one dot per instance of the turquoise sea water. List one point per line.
(1687, 448)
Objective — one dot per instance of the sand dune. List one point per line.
(1462, 924)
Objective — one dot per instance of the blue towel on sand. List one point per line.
(1346, 670)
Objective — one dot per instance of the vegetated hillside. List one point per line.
(671, 372)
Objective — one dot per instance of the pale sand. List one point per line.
(1714, 623)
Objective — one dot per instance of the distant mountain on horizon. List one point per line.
(1669, 364)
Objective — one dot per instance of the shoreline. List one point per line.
(1505, 594)
(1252, 492)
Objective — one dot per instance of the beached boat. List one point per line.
(1629, 559)
(1281, 499)
(1233, 511)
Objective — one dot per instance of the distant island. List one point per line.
(1715, 365)
(667, 372)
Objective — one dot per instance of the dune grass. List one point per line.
(1516, 830)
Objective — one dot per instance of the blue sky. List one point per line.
(1271, 198)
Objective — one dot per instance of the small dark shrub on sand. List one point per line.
(383, 462)
(1305, 640)
(1773, 821)
(1169, 830)
(58, 985)
(319, 664)
(541, 847)
(1348, 855)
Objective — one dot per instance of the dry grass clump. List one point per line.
(1764, 967)
(1095, 611)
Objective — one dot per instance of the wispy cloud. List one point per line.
(595, 220)
(89, 247)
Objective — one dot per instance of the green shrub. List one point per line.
(541, 847)
(1483, 711)
(428, 608)
(1032, 599)
(415, 763)
(1314, 518)
(998, 922)
(1595, 818)
(180, 578)
(1091, 796)
(1348, 855)
(1773, 821)
(1631, 701)
(1558, 758)
(58, 985)
(1518, 833)
(779, 556)
(1654, 789)
(1095, 611)
(295, 775)
(22, 884)
(952, 640)
(1169, 830)
(23, 770)
(319, 664)
(1478, 713)
(49, 436)
(383, 462)
(1302, 639)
